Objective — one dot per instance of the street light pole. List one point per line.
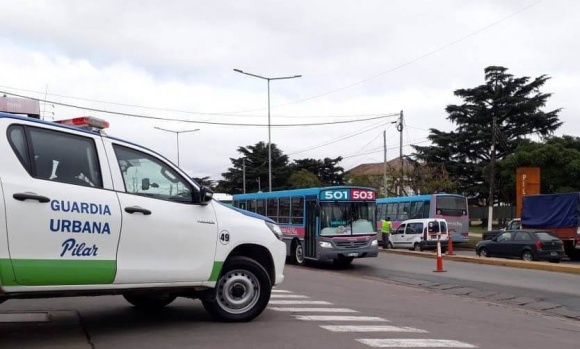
(269, 124)
(177, 137)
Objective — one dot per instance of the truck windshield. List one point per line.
(347, 218)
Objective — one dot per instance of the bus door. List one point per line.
(310, 216)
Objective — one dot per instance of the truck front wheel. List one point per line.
(242, 291)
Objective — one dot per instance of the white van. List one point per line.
(420, 234)
(84, 214)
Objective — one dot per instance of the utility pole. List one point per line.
(400, 129)
(244, 173)
(386, 191)
(491, 175)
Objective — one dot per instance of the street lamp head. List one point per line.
(239, 71)
(297, 76)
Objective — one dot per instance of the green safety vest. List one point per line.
(386, 227)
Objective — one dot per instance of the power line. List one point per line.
(236, 114)
(339, 139)
(195, 121)
(381, 149)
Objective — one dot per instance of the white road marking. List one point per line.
(297, 302)
(280, 291)
(338, 318)
(315, 310)
(288, 296)
(414, 343)
(355, 328)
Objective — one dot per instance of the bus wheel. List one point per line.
(148, 301)
(342, 261)
(242, 292)
(297, 253)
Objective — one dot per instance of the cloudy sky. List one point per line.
(360, 60)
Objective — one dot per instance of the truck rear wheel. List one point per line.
(242, 291)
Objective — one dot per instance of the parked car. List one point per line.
(490, 234)
(528, 245)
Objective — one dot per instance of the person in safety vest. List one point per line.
(386, 230)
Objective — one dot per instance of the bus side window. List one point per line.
(251, 205)
(426, 209)
(272, 209)
(392, 211)
(261, 207)
(297, 210)
(403, 211)
(381, 211)
(416, 210)
(284, 215)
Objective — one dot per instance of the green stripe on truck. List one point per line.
(50, 272)
(215, 272)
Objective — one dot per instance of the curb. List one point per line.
(513, 263)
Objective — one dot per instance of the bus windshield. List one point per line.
(346, 218)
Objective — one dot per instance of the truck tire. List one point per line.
(149, 301)
(242, 291)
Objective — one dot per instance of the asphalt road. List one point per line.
(552, 292)
(316, 307)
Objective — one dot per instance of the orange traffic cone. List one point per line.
(439, 258)
(450, 247)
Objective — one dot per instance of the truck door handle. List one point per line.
(137, 209)
(30, 196)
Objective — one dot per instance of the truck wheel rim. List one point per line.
(238, 291)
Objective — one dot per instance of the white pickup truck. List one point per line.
(82, 213)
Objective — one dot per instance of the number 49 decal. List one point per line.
(225, 237)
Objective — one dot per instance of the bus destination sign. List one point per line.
(345, 194)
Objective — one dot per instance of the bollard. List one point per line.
(439, 256)
(450, 247)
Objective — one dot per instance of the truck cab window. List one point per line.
(146, 176)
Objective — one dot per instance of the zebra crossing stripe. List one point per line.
(280, 291)
(288, 296)
(338, 318)
(315, 310)
(355, 328)
(297, 302)
(414, 343)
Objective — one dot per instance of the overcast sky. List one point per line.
(359, 59)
